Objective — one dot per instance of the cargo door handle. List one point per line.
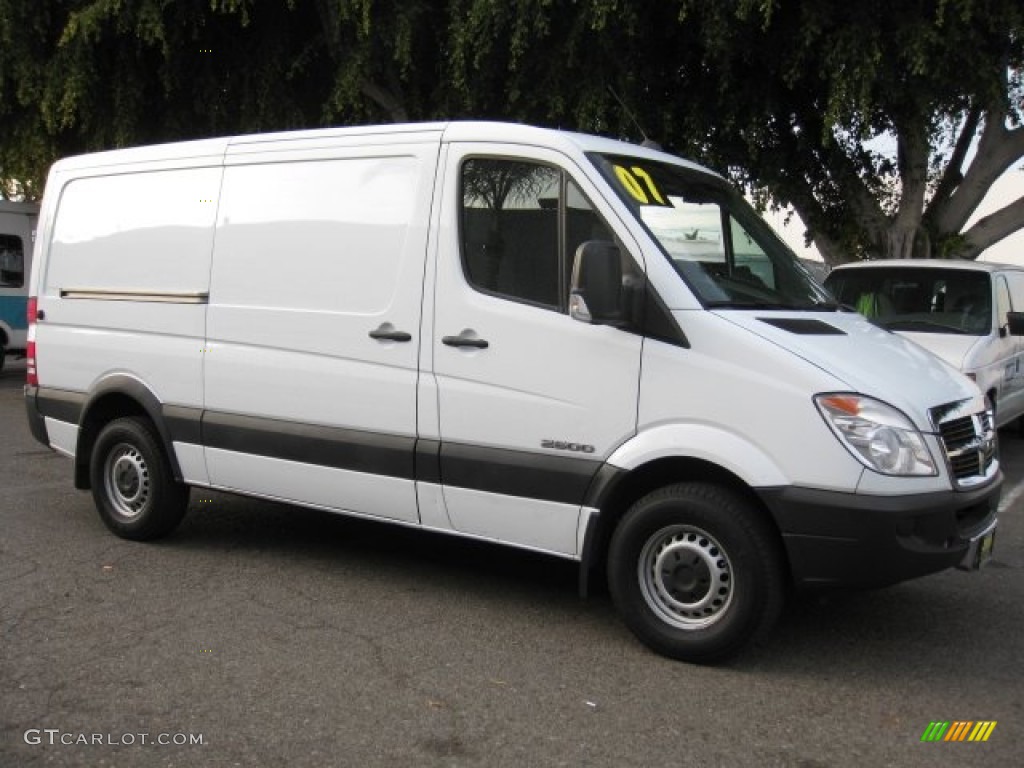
(387, 332)
(464, 340)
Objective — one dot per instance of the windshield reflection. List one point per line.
(712, 237)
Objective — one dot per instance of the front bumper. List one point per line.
(850, 540)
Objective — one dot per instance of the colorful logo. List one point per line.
(959, 730)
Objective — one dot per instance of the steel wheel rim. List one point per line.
(686, 577)
(126, 481)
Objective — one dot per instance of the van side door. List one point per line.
(529, 401)
(314, 318)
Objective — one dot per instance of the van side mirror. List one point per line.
(1015, 322)
(595, 294)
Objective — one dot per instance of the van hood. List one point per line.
(863, 358)
(953, 348)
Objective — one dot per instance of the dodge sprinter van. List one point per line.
(966, 312)
(17, 227)
(549, 340)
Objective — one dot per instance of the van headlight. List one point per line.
(878, 435)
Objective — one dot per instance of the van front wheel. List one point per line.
(695, 572)
(132, 483)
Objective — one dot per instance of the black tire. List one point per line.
(132, 483)
(695, 572)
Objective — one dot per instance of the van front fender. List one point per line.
(727, 450)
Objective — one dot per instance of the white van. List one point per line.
(966, 312)
(17, 229)
(550, 340)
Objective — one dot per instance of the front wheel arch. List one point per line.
(614, 491)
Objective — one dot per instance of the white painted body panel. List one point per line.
(994, 361)
(81, 345)
(867, 360)
(324, 487)
(956, 350)
(301, 277)
(531, 523)
(110, 235)
(144, 231)
(192, 460)
(63, 436)
(743, 404)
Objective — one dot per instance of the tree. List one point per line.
(936, 76)
(783, 96)
(86, 75)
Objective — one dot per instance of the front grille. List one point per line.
(970, 443)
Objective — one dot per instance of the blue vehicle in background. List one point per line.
(17, 234)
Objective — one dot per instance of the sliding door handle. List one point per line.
(387, 332)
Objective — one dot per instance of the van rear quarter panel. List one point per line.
(145, 233)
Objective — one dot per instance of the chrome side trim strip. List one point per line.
(137, 294)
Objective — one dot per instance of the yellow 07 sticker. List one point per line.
(639, 184)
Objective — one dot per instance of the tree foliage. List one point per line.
(786, 97)
(934, 76)
(783, 96)
(86, 75)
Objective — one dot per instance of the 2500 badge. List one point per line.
(559, 445)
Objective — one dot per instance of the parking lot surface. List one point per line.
(261, 634)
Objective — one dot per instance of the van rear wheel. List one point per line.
(132, 482)
(695, 572)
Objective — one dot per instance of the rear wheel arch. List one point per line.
(117, 397)
(133, 488)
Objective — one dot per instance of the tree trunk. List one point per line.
(898, 242)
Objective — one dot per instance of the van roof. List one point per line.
(966, 265)
(461, 131)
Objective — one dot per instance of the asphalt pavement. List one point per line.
(261, 634)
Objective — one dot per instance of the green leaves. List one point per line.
(779, 94)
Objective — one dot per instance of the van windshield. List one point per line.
(921, 300)
(715, 241)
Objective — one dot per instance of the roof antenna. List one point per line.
(646, 143)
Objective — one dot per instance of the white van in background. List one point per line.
(544, 339)
(966, 312)
(17, 234)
